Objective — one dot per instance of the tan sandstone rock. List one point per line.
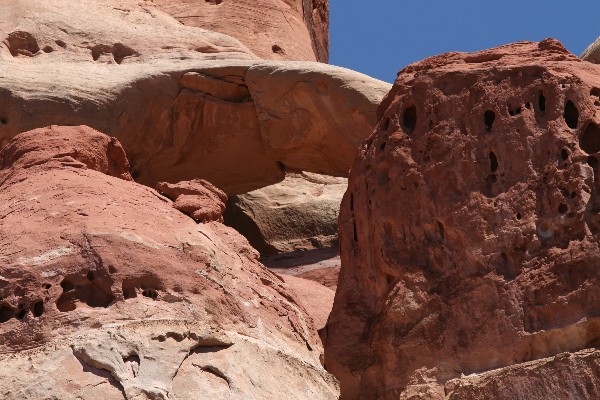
(299, 213)
(108, 292)
(273, 29)
(592, 52)
(469, 232)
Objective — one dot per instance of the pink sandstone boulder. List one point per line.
(108, 292)
(198, 198)
(469, 233)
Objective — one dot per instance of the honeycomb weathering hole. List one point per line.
(493, 161)
(542, 102)
(409, 119)
(488, 120)
(571, 114)
(590, 139)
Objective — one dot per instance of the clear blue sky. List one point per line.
(380, 37)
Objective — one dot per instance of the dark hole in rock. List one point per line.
(382, 146)
(214, 2)
(38, 309)
(60, 43)
(84, 292)
(573, 195)
(6, 313)
(493, 162)
(277, 49)
(135, 174)
(488, 120)
(22, 43)
(589, 141)
(47, 49)
(355, 233)
(410, 119)
(519, 216)
(385, 124)
(120, 52)
(542, 102)
(528, 105)
(514, 111)
(562, 208)
(389, 279)
(132, 362)
(90, 275)
(4, 121)
(21, 314)
(493, 178)
(47, 286)
(67, 285)
(111, 269)
(441, 229)
(571, 114)
(564, 154)
(128, 291)
(150, 293)
(595, 92)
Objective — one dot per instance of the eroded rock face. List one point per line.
(299, 213)
(107, 291)
(278, 30)
(469, 228)
(177, 97)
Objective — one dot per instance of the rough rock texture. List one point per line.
(320, 265)
(198, 198)
(469, 232)
(273, 29)
(314, 297)
(107, 291)
(299, 213)
(185, 103)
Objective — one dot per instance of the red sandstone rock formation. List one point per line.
(184, 102)
(469, 232)
(107, 291)
(273, 29)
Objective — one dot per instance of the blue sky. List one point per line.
(380, 37)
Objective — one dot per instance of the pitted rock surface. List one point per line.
(107, 291)
(469, 231)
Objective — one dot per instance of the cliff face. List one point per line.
(469, 230)
(272, 29)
